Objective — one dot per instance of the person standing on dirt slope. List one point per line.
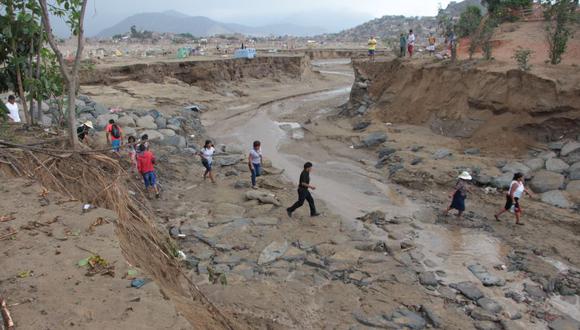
(411, 43)
(459, 194)
(403, 45)
(83, 131)
(132, 151)
(206, 155)
(304, 193)
(144, 140)
(372, 47)
(513, 196)
(431, 47)
(146, 167)
(114, 136)
(255, 162)
(13, 113)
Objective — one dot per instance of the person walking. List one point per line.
(146, 167)
(459, 194)
(132, 151)
(114, 136)
(13, 113)
(206, 155)
(372, 43)
(403, 45)
(303, 192)
(411, 43)
(83, 131)
(255, 162)
(513, 197)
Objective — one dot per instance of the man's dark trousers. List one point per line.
(304, 194)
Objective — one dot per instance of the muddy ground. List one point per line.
(402, 266)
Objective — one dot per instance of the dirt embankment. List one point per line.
(204, 74)
(464, 101)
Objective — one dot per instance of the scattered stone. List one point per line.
(556, 165)
(500, 163)
(515, 167)
(100, 109)
(544, 181)
(375, 217)
(416, 161)
(362, 110)
(416, 148)
(569, 147)
(428, 279)
(468, 289)
(503, 181)
(167, 132)
(431, 317)
(535, 164)
(263, 197)
(442, 153)
(489, 305)
(386, 151)
(485, 325)
(146, 122)
(265, 221)
(472, 151)
(408, 319)
(486, 278)
(480, 314)
(374, 139)
(272, 252)
(361, 125)
(175, 140)
(556, 198)
(534, 292)
(574, 171)
(375, 322)
(515, 296)
(228, 160)
(573, 189)
(556, 146)
(564, 323)
(232, 173)
(242, 184)
(545, 155)
(153, 135)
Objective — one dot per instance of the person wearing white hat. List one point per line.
(83, 130)
(459, 194)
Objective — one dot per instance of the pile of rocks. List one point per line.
(177, 130)
(554, 174)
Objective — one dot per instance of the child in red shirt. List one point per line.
(145, 165)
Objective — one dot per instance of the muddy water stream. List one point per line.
(349, 190)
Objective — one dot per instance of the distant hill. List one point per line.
(454, 9)
(200, 26)
(390, 27)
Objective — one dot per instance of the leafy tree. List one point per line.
(73, 11)
(469, 21)
(447, 28)
(560, 15)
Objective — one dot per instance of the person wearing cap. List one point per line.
(83, 130)
(459, 194)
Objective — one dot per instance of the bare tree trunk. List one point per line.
(37, 75)
(20, 87)
(70, 78)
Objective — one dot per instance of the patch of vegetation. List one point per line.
(559, 15)
(469, 21)
(522, 57)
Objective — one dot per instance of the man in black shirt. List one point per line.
(304, 193)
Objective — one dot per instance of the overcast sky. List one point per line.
(104, 13)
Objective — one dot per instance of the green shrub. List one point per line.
(522, 57)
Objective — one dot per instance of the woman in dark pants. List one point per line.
(459, 194)
(304, 193)
(514, 194)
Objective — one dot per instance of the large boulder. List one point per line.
(574, 171)
(442, 153)
(129, 131)
(374, 139)
(573, 190)
(146, 122)
(153, 135)
(545, 155)
(572, 157)
(126, 121)
(515, 167)
(569, 148)
(535, 164)
(503, 181)
(167, 132)
(161, 122)
(556, 165)
(272, 252)
(175, 140)
(544, 181)
(101, 109)
(103, 120)
(556, 198)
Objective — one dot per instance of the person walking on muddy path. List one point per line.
(459, 194)
(372, 43)
(114, 136)
(206, 155)
(513, 197)
(403, 45)
(411, 43)
(146, 167)
(304, 187)
(255, 162)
